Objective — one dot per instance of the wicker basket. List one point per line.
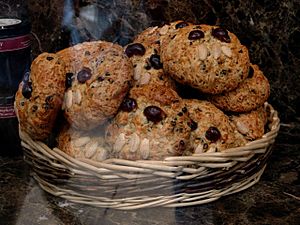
(173, 182)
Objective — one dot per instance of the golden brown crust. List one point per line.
(37, 111)
(156, 93)
(145, 72)
(252, 93)
(153, 35)
(206, 63)
(79, 55)
(91, 101)
(149, 37)
(251, 124)
(82, 144)
(205, 117)
(132, 135)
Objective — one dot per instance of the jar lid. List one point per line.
(12, 27)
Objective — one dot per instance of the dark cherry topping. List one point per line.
(26, 76)
(147, 66)
(251, 72)
(154, 114)
(49, 58)
(213, 134)
(196, 34)
(49, 99)
(84, 75)
(69, 80)
(221, 34)
(46, 106)
(181, 145)
(193, 125)
(155, 62)
(135, 49)
(100, 79)
(181, 25)
(128, 105)
(27, 90)
(34, 108)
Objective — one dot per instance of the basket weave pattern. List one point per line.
(173, 182)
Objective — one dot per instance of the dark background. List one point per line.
(270, 29)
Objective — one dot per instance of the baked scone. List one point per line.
(97, 81)
(40, 96)
(83, 144)
(79, 54)
(144, 54)
(152, 123)
(149, 37)
(152, 35)
(208, 58)
(211, 128)
(252, 93)
(251, 124)
(148, 68)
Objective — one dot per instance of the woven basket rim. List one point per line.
(223, 173)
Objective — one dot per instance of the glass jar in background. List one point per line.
(15, 60)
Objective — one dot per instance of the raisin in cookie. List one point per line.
(249, 95)
(96, 84)
(83, 144)
(40, 96)
(208, 58)
(211, 128)
(152, 124)
(144, 53)
(251, 124)
(148, 68)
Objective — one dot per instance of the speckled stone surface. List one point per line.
(271, 31)
(274, 200)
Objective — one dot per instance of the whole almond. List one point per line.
(145, 148)
(90, 149)
(77, 97)
(164, 30)
(216, 51)
(137, 72)
(241, 127)
(145, 78)
(69, 99)
(134, 142)
(120, 142)
(81, 141)
(199, 149)
(202, 52)
(227, 51)
(102, 154)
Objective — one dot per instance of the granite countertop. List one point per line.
(275, 199)
(271, 32)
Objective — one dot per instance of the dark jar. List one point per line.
(15, 60)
